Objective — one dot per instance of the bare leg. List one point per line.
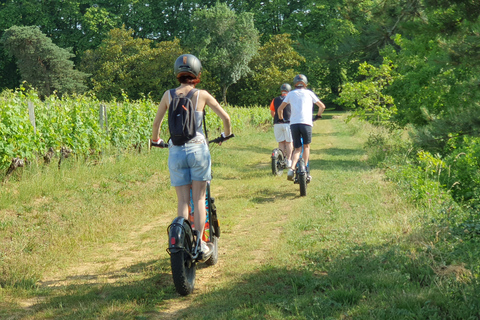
(288, 150)
(295, 157)
(199, 189)
(306, 153)
(183, 200)
(281, 146)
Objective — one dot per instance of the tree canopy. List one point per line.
(136, 67)
(225, 42)
(249, 48)
(42, 64)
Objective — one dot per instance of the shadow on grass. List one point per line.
(368, 282)
(343, 165)
(365, 281)
(113, 295)
(338, 152)
(270, 196)
(257, 149)
(326, 134)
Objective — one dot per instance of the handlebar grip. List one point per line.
(162, 144)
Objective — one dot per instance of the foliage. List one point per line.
(326, 39)
(80, 25)
(42, 64)
(225, 42)
(447, 184)
(136, 67)
(274, 17)
(463, 175)
(385, 146)
(368, 98)
(73, 122)
(438, 67)
(274, 63)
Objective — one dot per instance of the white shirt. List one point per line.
(301, 101)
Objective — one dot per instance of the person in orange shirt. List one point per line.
(281, 128)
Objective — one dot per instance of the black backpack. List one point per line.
(181, 117)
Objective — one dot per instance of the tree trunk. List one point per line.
(336, 92)
(224, 93)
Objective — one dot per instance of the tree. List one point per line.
(225, 42)
(337, 35)
(438, 62)
(275, 16)
(275, 63)
(42, 64)
(367, 97)
(162, 20)
(136, 67)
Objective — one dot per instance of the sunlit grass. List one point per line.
(352, 248)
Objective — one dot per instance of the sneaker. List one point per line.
(206, 251)
(205, 248)
(290, 175)
(309, 178)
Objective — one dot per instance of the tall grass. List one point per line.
(355, 247)
(47, 214)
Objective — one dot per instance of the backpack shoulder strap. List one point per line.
(171, 95)
(191, 93)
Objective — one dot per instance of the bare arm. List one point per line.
(280, 110)
(321, 107)
(213, 103)
(157, 123)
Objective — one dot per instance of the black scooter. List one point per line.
(184, 242)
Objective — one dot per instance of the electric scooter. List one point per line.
(184, 242)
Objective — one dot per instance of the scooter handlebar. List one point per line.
(160, 144)
(221, 138)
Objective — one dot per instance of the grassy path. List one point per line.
(326, 255)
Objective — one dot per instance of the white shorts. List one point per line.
(282, 132)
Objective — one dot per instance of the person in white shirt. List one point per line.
(301, 101)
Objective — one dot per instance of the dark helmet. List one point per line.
(285, 87)
(188, 63)
(300, 78)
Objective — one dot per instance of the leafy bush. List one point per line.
(463, 176)
(448, 187)
(383, 146)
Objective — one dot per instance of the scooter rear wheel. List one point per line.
(277, 162)
(183, 268)
(183, 272)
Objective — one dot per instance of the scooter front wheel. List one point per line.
(214, 257)
(302, 178)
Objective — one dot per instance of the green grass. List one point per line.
(352, 248)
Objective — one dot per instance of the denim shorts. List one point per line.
(299, 132)
(190, 162)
